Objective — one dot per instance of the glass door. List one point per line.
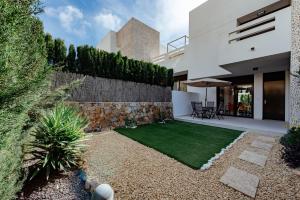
(244, 101)
(237, 100)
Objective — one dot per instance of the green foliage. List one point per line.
(291, 149)
(71, 59)
(23, 81)
(59, 52)
(130, 123)
(50, 48)
(58, 140)
(93, 62)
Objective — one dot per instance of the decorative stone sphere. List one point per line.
(103, 192)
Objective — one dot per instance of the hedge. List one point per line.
(90, 61)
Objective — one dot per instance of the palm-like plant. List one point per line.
(58, 140)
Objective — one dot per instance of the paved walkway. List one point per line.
(243, 181)
(266, 127)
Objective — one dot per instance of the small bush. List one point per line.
(130, 123)
(291, 149)
(58, 141)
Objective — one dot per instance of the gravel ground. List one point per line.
(139, 172)
(63, 187)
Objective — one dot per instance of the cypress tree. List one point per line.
(60, 52)
(71, 59)
(23, 72)
(49, 48)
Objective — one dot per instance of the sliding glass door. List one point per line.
(237, 100)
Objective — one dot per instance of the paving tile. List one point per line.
(254, 157)
(266, 139)
(241, 181)
(258, 151)
(262, 145)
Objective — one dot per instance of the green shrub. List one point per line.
(93, 62)
(58, 140)
(291, 147)
(23, 72)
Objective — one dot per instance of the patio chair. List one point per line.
(199, 109)
(210, 104)
(193, 108)
(220, 111)
(210, 109)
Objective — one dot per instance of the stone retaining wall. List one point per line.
(109, 115)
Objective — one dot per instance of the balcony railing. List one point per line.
(174, 48)
(178, 43)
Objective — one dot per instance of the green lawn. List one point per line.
(188, 143)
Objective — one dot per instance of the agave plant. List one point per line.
(58, 143)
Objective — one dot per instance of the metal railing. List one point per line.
(173, 45)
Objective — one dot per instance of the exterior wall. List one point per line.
(135, 40)
(295, 64)
(287, 95)
(109, 42)
(182, 102)
(138, 41)
(178, 63)
(258, 96)
(209, 36)
(211, 93)
(109, 115)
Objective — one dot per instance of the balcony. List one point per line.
(175, 49)
(261, 37)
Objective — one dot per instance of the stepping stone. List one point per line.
(254, 158)
(258, 151)
(266, 139)
(241, 181)
(261, 145)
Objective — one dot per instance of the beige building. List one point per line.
(135, 40)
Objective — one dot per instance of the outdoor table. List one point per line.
(208, 112)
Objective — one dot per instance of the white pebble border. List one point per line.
(211, 161)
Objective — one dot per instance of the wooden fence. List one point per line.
(96, 89)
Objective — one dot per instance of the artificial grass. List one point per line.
(191, 144)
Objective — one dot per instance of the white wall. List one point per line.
(109, 42)
(182, 102)
(209, 28)
(211, 93)
(258, 96)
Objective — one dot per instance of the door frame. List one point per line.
(274, 76)
(239, 80)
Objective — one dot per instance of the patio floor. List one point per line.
(267, 127)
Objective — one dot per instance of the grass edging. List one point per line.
(211, 161)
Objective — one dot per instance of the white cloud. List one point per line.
(172, 17)
(70, 18)
(169, 17)
(108, 20)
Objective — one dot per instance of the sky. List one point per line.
(87, 21)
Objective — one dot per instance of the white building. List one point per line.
(247, 42)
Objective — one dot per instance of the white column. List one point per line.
(258, 96)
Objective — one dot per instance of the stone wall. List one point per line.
(295, 64)
(109, 115)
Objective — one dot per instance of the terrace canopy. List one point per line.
(206, 83)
